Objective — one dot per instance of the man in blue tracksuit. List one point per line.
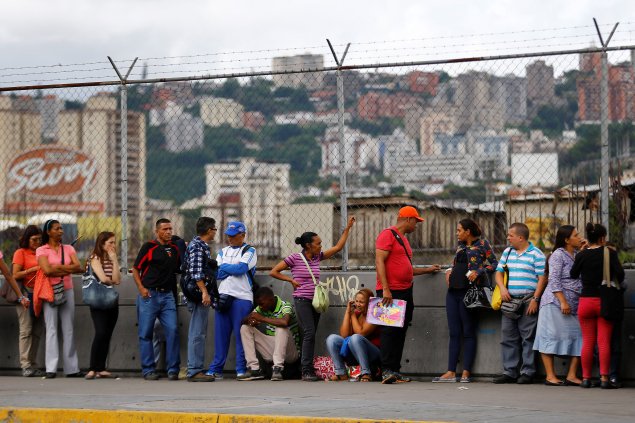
(236, 268)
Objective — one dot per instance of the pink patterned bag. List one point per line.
(323, 366)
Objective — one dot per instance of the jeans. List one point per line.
(308, 320)
(517, 340)
(224, 325)
(462, 325)
(159, 305)
(393, 339)
(104, 322)
(197, 334)
(362, 350)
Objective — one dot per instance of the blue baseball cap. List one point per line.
(235, 228)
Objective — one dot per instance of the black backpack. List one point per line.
(190, 288)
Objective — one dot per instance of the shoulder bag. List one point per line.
(95, 294)
(320, 294)
(496, 294)
(611, 296)
(58, 288)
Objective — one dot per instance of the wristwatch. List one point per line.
(536, 299)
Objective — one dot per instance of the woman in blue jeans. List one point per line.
(358, 341)
(468, 267)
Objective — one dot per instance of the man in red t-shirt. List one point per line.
(393, 260)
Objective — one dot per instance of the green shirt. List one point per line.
(281, 309)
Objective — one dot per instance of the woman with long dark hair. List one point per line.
(595, 329)
(361, 337)
(58, 262)
(558, 329)
(105, 266)
(25, 268)
(303, 265)
(473, 258)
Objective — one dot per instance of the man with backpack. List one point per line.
(154, 272)
(236, 270)
(196, 285)
(393, 260)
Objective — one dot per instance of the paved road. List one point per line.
(476, 402)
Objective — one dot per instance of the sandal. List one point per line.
(365, 378)
(337, 378)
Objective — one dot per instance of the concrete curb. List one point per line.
(36, 415)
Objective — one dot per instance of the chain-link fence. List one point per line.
(300, 147)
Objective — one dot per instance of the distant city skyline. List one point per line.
(36, 32)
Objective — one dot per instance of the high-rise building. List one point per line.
(216, 111)
(621, 85)
(310, 80)
(540, 83)
(361, 152)
(250, 191)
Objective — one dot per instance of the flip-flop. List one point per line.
(568, 382)
(440, 379)
(547, 383)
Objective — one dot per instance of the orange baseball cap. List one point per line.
(410, 211)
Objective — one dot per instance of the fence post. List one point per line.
(124, 163)
(604, 140)
(124, 176)
(604, 129)
(342, 149)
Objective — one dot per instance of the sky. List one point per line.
(219, 36)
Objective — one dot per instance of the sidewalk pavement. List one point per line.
(296, 401)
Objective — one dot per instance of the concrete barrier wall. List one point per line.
(426, 345)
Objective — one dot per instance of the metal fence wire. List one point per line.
(288, 150)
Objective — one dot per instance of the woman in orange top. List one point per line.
(25, 268)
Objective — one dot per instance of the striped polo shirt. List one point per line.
(524, 269)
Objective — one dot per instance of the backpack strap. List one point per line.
(250, 275)
(400, 241)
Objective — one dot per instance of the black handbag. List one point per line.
(611, 295)
(97, 295)
(478, 297)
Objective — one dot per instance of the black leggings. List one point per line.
(104, 322)
(462, 324)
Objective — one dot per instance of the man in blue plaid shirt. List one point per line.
(197, 258)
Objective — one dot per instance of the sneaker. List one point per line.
(276, 373)
(173, 376)
(388, 377)
(151, 376)
(216, 376)
(504, 379)
(616, 382)
(309, 376)
(50, 375)
(28, 372)
(256, 374)
(401, 378)
(201, 377)
(525, 380)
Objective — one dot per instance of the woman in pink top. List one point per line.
(49, 258)
(304, 287)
